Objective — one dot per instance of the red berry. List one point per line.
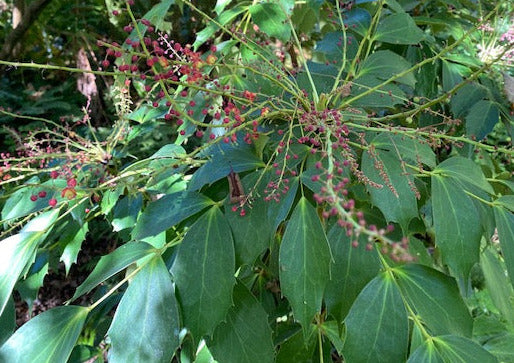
(72, 182)
(54, 174)
(105, 63)
(115, 12)
(42, 194)
(33, 197)
(52, 202)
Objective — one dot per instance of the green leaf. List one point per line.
(398, 29)
(72, 240)
(458, 349)
(167, 212)
(253, 232)
(411, 150)
(224, 18)
(466, 97)
(457, 225)
(157, 14)
(386, 96)
(113, 263)
(426, 353)
(7, 321)
(505, 224)
(351, 269)
(384, 64)
(165, 156)
(296, 349)
(126, 211)
(146, 324)
(481, 119)
(452, 74)
(19, 203)
(28, 288)
(204, 273)
(331, 330)
(377, 328)
(398, 206)
(502, 347)
(225, 158)
(19, 250)
(271, 20)
(435, 298)
(465, 172)
(245, 336)
(49, 337)
(497, 283)
(304, 260)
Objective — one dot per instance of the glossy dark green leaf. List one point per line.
(304, 263)
(223, 159)
(29, 286)
(271, 19)
(384, 64)
(252, 232)
(377, 328)
(465, 172)
(278, 211)
(482, 118)
(7, 321)
(146, 324)
(505, 224)
(19, 251)
(157, 14)
(466, 97)
(452, 74)
(245, 335)
(398, 29)
(125, 212)
(398, 205)
(168, 211)
(435, 298)
(497, 283)
(358, 20)
(297, 349)
(351, 269)
(113, 263)
(49, 337)
(457, 225)
(332, 50)
(204, 273)
(458, 349)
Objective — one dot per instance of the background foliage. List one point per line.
(259, 181)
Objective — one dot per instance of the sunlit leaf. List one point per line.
(49, 337)
(271, 19)
(19, 250)
(505, 224)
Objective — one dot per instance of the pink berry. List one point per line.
(52, 202)
(72, 182)
(33, 197)
(42, 194)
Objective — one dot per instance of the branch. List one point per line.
(30, 15)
